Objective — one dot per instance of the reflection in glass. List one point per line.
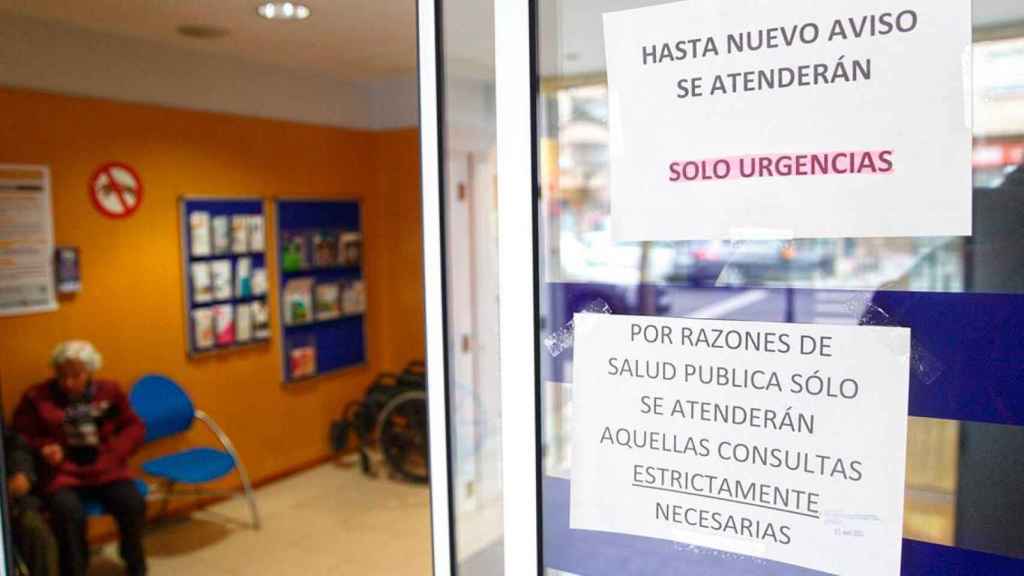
(471, 284)
(964, 478)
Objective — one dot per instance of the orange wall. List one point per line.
(131, 305)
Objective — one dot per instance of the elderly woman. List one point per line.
(84, 430)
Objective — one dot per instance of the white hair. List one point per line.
(77, 351)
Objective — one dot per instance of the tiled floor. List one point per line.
(327, 521)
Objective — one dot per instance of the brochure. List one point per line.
(293, 252)
(221, 235)
(221, 272)
(202, 286)
(260, 320)
(199, 234)
(298, 301)
(328, 301)
(224, 324)
(353, 298)
(350, 248)
(239, 234)
(243, 323)
(243, 277)
(257, 239)
(302, 360)
(202, 328)
(259, 281)
(325, 249)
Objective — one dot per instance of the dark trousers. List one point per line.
(120, 499)
(35, 542)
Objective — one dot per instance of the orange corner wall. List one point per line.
(131, 305)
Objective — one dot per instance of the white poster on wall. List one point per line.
(797, 119)
(27, 280)
(784, 442)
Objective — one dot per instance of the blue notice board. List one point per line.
(322, 290)
(223, 246)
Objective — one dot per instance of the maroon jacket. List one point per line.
(40, 418)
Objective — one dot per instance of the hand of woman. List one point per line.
(18, 485)
(53, 454)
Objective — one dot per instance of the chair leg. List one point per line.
(229, 447)
(249, 495)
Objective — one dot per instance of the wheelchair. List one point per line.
(391, 417)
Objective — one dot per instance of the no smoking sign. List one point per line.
(116, 190)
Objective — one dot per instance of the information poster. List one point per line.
(27, 279)
(801, 119)
(783, 442)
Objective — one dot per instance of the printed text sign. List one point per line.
(785, 442)
(798, 119)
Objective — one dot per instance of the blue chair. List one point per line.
(167, 411)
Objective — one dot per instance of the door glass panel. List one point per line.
(471, 261)
(961, 296)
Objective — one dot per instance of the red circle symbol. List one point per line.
(116, 190)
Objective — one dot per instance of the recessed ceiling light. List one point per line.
(283, 11)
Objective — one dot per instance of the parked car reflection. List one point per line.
(721, 263)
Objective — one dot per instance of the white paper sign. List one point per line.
(27, 280)
(796, 119)
(785, 442)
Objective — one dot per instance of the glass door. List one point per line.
(700, 197)
(459, 199)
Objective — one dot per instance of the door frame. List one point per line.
(6, 537)
(432, 171)
(518, 205)
(517, 268)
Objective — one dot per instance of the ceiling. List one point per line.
(346, 39)
(354, 40)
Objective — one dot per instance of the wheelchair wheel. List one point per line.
(402, 435)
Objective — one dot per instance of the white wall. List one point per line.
(470, 113)
(51, 57)
(393, 102)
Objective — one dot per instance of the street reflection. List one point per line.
(960, 296)
(963, 477)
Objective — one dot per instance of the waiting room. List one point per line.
(222, 370)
